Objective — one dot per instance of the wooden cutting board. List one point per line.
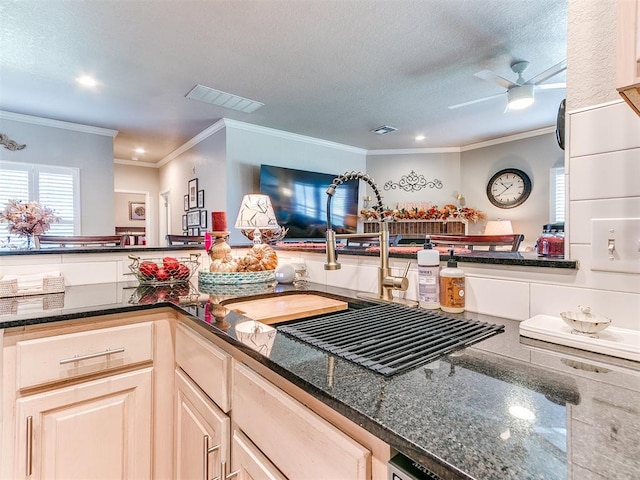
(286, 307)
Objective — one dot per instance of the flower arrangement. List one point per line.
(448, 212)
(27, 219)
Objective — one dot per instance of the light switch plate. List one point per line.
(615, 244)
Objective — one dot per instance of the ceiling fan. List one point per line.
(521, 93)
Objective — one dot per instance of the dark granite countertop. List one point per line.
(502, 409)
(524, 259)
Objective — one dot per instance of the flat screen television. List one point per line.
(299, 199)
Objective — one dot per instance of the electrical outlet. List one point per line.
(615, 244)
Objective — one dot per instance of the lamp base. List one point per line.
(267, 235)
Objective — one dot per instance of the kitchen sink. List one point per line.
(387, 338)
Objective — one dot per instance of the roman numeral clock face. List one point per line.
(509, 188)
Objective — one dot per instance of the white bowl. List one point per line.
(256, 335)
(585, 322)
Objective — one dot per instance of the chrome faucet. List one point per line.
(386, 282)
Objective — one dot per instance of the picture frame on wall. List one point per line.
(192, 189)
(193, 219)
(184, 223)
(137, 211)
(203, 219)
(186, 203)
(200, 198)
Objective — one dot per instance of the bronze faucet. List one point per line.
(386, 282)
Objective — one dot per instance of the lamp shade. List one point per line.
(256, 211)
(498, 227)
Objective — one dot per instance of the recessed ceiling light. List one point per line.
(87, 81)
(139, 150)
(384, 129)
(420, 137)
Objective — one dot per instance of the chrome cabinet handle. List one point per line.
(206, 450)
(77, 358)
(225, 475)
(29, 464)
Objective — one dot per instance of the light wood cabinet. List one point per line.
(78, 401)
(628, 52)
(207, 365)
(46, 360)
(279, 425)
(249, 461)
(201, 433)
(98, 429)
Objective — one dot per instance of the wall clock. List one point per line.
(509, 188)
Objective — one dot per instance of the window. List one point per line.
(558, 197)
(54, 187)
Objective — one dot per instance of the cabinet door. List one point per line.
(249, 462)
(98, 429)
(206, 364)
(296, 440)
(202, 433)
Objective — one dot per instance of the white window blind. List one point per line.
(54, 187)
(558, 196)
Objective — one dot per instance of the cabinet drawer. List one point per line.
(51, 359)
(207, 365)
(249, 461)
(280, 425)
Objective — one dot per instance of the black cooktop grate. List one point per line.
(390, 338)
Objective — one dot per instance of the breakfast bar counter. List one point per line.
(504, 408)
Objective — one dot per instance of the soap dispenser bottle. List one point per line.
(452, 287)
(428, 276)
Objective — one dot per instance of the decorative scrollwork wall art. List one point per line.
(413, 182)
(10, 144)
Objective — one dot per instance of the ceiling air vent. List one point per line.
(223, 99)
(384, 129)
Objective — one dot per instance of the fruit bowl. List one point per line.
(584, 322)
(164, 271)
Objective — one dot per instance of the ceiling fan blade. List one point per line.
(489, 76)
(550, 72)
(471, 102)
(551, 86)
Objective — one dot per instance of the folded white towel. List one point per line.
(30, 282)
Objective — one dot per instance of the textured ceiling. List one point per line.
(327, 69)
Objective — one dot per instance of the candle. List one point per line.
(219, 221)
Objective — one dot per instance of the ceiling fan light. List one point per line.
(520, 97)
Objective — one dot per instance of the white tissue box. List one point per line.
(36, 284)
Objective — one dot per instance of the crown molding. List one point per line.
(228, 123)
(293, 136)
(48, 122)
(413, 151)
(134, 163)
(216, 127)
(509, 138)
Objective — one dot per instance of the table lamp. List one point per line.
(256, 219)
(498, 227)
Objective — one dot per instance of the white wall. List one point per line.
(89, 149)
(248, 147)
(535, 156)
(591, 47)
(441, 166)
(205, 161)
(121, 203)
(141, 180)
